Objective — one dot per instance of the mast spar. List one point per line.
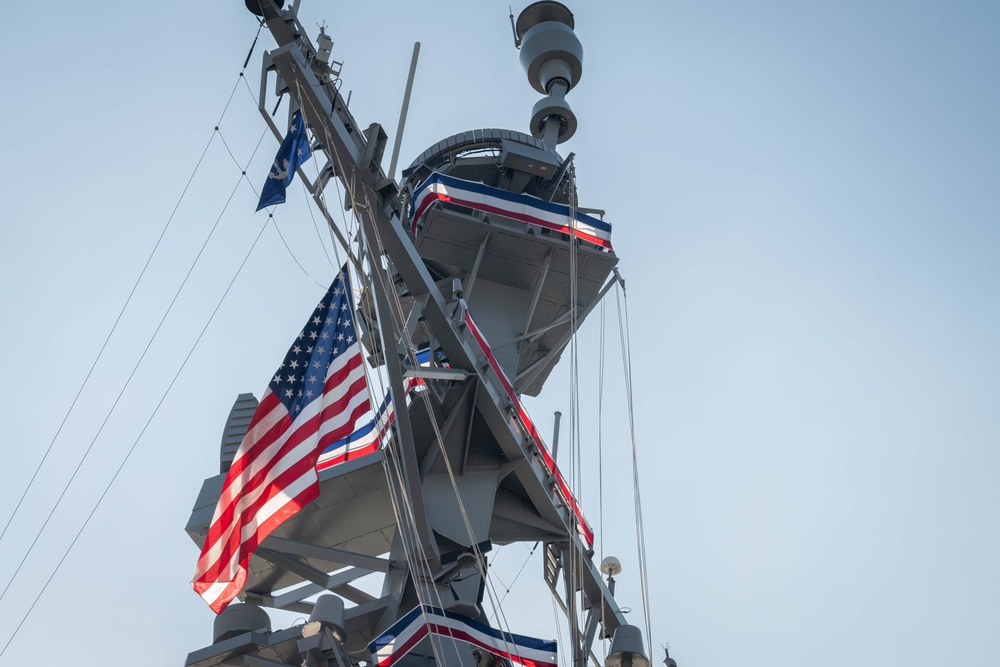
(491, 267)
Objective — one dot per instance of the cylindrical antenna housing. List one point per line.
(552, 57)
(238, 619)
(550, 49)
(627, 649)
(328, 612)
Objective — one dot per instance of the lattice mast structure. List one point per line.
(496, 300)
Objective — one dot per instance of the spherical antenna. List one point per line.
(611, 566)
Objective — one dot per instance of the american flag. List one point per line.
(314, 399)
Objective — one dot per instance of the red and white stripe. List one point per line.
(274, 475)
(397, 641)
(566, 495)
(493, 201)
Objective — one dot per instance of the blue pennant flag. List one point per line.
(293, 153)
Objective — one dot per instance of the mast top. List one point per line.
(259, 7)
(537, 12)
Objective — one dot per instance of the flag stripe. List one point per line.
(274, 473)
(280, 442)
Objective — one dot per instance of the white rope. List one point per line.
(559, 640)
(600, 460)
(640, 534)
(128, 300)
(135, 444)
(480, 559)
(575, 560)
(402, 507)
(418, 566)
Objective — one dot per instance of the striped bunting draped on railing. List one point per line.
(365, 440)
(586, 532)
(532, 210)
(374, 433)
(423, 620)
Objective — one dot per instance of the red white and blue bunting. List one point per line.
(566, 495)
(375, 432)
(528, 209)
(425, 620)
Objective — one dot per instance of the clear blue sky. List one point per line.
(806, 205)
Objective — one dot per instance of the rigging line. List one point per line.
(398, 306)
(290, 253)
(499, 614)
(628, 348)
(252, 45)
(270, 214)
(518, 575)
(136, 442)
(497, 577)
(440, 440)
(575, 569)
(229, 100)
(379, 274)
(480, 559)
(107, 339)
(320, 200)
(600, 453)
(640, 528)
(149, 344)
(414, 553)
(418, 562)
(419, 566)
(322, 243)
(128, 300)
(238, 164)
(560, 659)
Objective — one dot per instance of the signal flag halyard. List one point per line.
(315, 399)
(293, 154)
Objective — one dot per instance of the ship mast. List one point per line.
(495, 302)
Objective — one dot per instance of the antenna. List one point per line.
(552, 57)
(517, 40)
(402, 112)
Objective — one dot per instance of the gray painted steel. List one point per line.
(516, 281)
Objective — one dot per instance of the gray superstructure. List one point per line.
(396, 512)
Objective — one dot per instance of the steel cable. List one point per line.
(134, 444)
(640, 535)
(114, 327)
(128, 299)
(118, 398)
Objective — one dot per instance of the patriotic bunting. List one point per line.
(424, 620)
(532, 210)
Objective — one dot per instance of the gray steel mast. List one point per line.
(464, 471)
